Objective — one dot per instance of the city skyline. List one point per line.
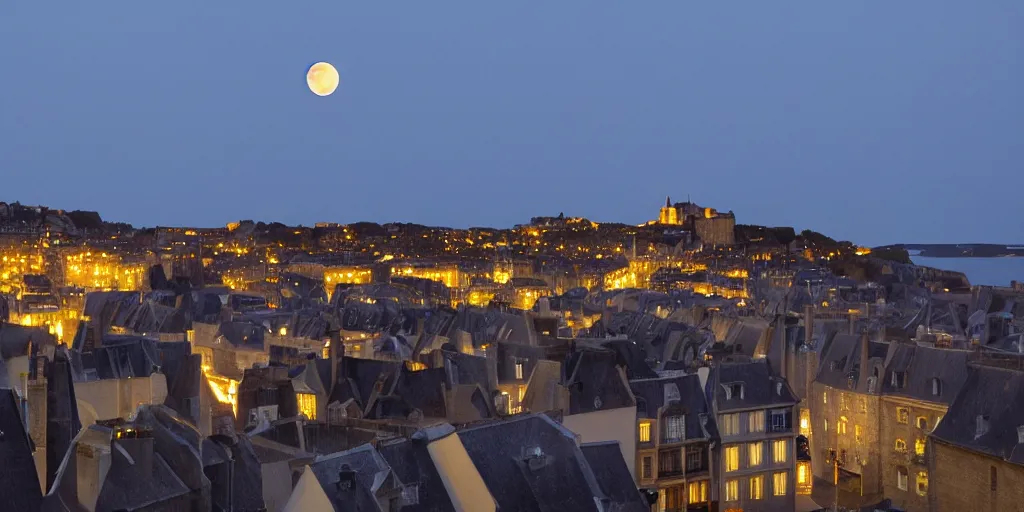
(873, 133)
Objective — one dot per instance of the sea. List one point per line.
(985, 271)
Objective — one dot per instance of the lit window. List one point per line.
(841, 426)
(755, 421)
(826, 425)
(919, 447)
(779, 483)
(756, 487)
(805, 422)
(780, 451)
(699, 491)
(901, 446)
(902, 476)
(863, 405)
(307, 404)
(754, 454)
(732, 458)
(922, 483)
(645, 432)
(824, 398)
(732, 490)
(903, 415)
(801, 474)
(519, 371)
(858, 433)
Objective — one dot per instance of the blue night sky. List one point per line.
(875, 122)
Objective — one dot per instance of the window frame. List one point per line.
(755, 449)
(780, 446)
(727, 458)
(756, 487)
(777, 477)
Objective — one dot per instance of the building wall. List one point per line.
(766, 469)
(961, 480)
(862, 453)
(608, 425)
(117, 398)
(719, 230)
(909, 433)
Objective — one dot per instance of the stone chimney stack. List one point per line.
(864, 372)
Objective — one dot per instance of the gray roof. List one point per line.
(595, 381)
(613, 476)
(532, 463)
(922, 364)
(413, 465)
(18, 471)
(650, 396)
(761, 388)
(995, 394)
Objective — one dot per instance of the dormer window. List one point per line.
(733, 391)
(519, 370)
(675, 428)
(936, 387)
(778, 388)
(1020, 434)
(980, 426)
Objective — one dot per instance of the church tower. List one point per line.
(669, 214)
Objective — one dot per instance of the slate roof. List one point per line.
(922, 364)
(413, 465)
(558, 478)
(595, 382)
(125, 356)
(994, 393)
(650, 396)
(372, 471)
(760, 386)
(18, 471)
(14, 339)
(613, 476)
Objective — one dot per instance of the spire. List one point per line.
(668, 202)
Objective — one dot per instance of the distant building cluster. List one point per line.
(687, 364)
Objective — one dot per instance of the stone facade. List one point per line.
(848, 423)
(962, 480)
(905, 425)
(719, 230)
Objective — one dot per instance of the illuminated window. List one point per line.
(801, 474)
(919, 447)
(843, 403)
(756, 487)
(841, 426)
(824, 398)
(755, 421)
(780, 451)
(863, 405)
(858, 433)
(754, 453)
(698, 491)
(519, 371)
(901, 446)
(779, 483)
(307, 404)
(922, 483)
(732, 458)
(903, 415)
(902, 477)
(732, 490)
(805, 422)
(826, 425)
(645, 432)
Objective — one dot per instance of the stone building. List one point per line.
(975, 457)
(918, 385)
(755, 410)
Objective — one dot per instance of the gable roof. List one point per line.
(922, 364)
(650, 397)
(994, 393)
(761, 388)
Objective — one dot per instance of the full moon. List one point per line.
(322, 79)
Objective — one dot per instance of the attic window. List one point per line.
(980, 426)
(1020, 434)
(899, 380)
(936, 387)
(519, 370)
(778, 388)
(733, 391)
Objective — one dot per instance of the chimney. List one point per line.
(346, 480)
(863, 377)
(852, 323)
(335, 352)
(808, 323)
